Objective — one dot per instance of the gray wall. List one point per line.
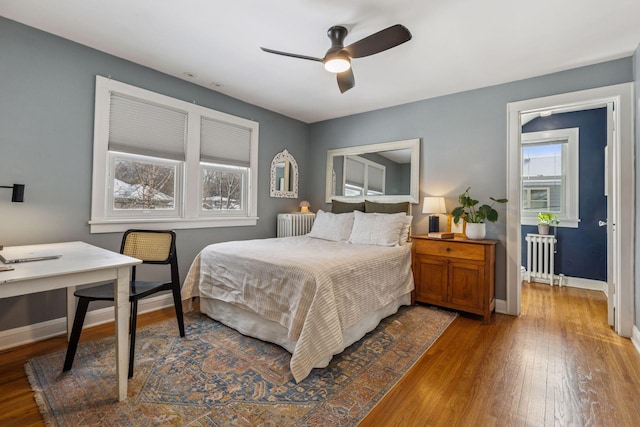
(46, 141)
(636, 75)
(463, 140)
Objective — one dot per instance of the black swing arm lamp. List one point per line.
(18, 192)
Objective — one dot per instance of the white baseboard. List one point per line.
(51, 328)
(501, 306)
(635, 338)
(573, 282)
(578, 282)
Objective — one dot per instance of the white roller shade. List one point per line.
(140, 127)
(224, 143)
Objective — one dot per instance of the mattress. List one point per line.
(314, 289)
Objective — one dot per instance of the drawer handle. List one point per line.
(447, 249)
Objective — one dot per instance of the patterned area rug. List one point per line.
(218, 377)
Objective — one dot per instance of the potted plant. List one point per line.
(475, 215)
(546, 219)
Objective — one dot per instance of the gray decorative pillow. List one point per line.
(338, 207)
(390, 208)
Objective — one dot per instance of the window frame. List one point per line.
(244, 172)
(569, 214)
(143, 213)
(366, 164)
(189, 214)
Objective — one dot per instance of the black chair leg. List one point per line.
(132, 343)
(78, 321)
(177, 302)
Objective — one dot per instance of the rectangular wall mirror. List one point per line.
(385, 172)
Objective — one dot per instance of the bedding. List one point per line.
(321, 294)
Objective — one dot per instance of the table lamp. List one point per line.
(304, 206)
(434, 206)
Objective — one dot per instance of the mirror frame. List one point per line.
(412, 144)
(282, 156)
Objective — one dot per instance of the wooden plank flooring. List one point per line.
(557, 364)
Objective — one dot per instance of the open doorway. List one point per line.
(563, 178)
(617, 101)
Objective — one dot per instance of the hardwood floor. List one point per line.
(557, 364)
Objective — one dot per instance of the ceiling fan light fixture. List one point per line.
(337, 64)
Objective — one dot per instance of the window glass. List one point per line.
(223, 188)
(550, 175)
(141, 184)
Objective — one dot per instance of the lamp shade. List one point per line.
(304, 206)
(434, 205)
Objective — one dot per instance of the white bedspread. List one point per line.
(314, 288)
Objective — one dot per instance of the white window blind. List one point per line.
(354, 172)
(140, 127)
(376, 179)
(224, 143)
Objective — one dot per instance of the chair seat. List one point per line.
(104, 292)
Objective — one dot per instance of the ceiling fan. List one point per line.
(338, 57)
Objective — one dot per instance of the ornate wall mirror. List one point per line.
(385, 172)
(284, 176)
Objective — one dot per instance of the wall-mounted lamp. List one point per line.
(18, 192)
(304, 206)
(434, 206)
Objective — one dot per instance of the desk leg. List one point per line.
(71, 309)
(121, 307)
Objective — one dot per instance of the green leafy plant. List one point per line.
(546, 218)
(471, 212)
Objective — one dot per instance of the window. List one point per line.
(363, 177)
(167, 163)
(550, 175)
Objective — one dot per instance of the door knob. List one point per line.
(602, 223)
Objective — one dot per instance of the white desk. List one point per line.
(81, 263)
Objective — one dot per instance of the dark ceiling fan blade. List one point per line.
(379, 42)
(293, 55)
(346, 80)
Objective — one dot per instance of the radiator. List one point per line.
(295, 224)
(540, 256)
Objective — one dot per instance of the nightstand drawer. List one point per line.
(450, 249)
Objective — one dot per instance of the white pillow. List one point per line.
(330, 226)
(404, 232)
(377, 229)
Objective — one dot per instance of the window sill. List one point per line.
(120, 225)
(563, 222)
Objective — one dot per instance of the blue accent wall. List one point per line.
(582, 251)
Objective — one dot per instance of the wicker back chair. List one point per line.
(152, 247)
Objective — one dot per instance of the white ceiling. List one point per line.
(457, 45)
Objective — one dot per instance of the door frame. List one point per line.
(624, 172)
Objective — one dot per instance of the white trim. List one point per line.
(412, 144)
(501, 306)
(569, 215)
(114, 226)
(635, 338)
(51, 328)
(190, 211)
(581, 283)
(624, 170)
(573, 282)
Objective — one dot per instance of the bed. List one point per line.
(314, 295)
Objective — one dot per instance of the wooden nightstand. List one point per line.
(455, 273)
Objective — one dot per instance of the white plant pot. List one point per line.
(475, 231)
(543, 229)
